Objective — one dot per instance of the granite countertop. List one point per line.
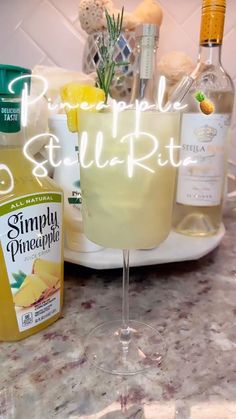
(192, 304)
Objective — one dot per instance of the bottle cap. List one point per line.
(10, 103)
(214, 3)
(7, 74)
(147, 29)
(213, 17)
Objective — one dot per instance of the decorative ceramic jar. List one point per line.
(122, 84)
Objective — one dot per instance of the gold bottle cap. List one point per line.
(213, 3)
(213, 18)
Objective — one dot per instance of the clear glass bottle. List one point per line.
(31, 229)
(145, 76)
(205, 132)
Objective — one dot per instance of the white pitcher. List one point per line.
(68, 177)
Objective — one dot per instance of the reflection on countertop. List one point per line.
(192, 304)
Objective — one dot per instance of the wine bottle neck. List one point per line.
(212, 31)
(211, 37)
(210, 55)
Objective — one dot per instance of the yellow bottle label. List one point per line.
(213, 18)
(31, 241)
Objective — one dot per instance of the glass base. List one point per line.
(143, 350)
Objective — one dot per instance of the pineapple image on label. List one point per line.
(51, 281)
(43, 265)
(31, 291)
(206, 105)
(43, 282)
(49, 272)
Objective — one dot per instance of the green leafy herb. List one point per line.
(106, 45)
(19, 279)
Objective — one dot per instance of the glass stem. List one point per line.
(125, 331)
(125, 301)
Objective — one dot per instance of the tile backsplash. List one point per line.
(48, 32)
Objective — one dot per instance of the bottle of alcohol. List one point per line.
(31, 231)
(144, 83)
(150, 196)
(205, 132)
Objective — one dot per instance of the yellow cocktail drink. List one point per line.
(127, 193)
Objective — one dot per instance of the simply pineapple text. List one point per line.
(20, 227)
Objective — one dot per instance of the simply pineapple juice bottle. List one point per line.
(31, 230)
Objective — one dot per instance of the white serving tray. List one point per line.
(176, 248)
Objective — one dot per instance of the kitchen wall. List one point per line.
(47, 32)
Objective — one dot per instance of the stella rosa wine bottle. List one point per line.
(205, 132)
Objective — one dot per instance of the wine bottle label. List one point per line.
(31, 240)
(204, 140)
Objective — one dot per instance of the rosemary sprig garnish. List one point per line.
(106, 45)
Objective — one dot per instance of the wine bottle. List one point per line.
(205, 132)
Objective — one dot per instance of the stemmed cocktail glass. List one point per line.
(127, 183)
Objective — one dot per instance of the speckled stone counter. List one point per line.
(192, 304)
